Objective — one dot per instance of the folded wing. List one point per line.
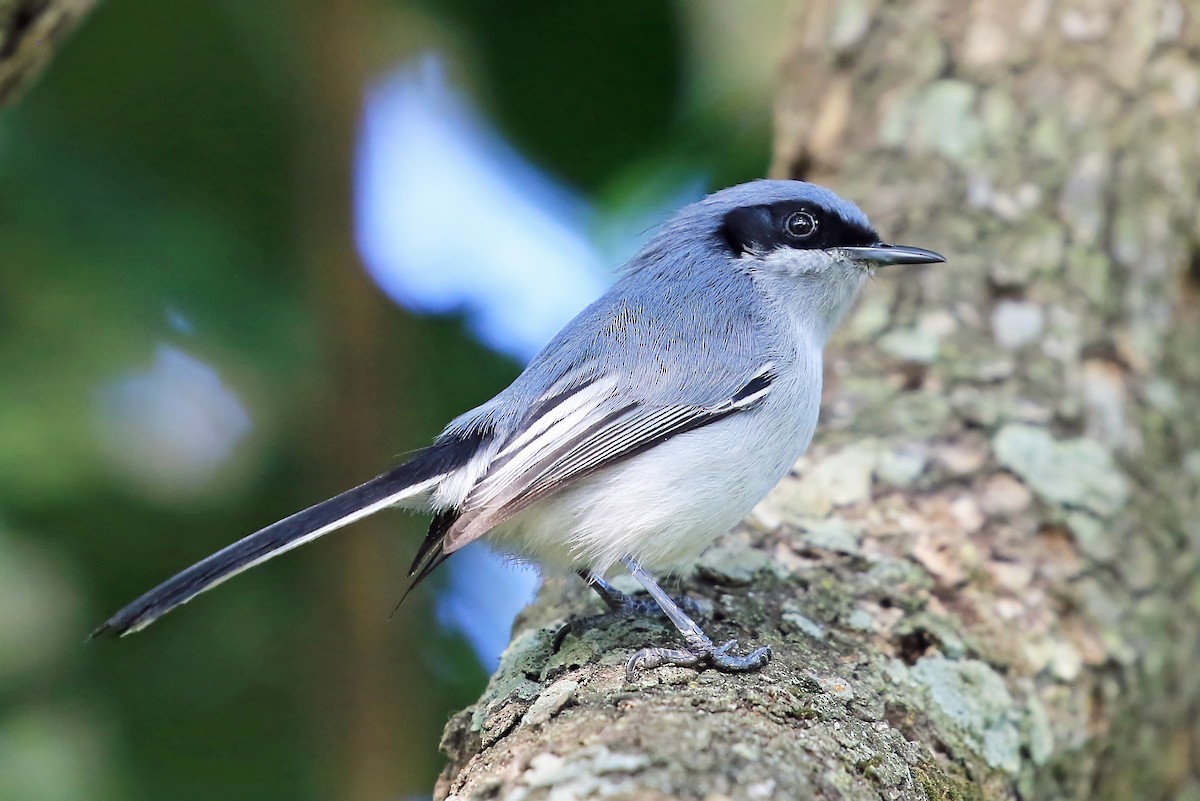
(581, 431)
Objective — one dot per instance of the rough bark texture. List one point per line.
(982, 581)
(30, 31)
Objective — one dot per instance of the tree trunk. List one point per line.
(30, 30)
(369, 736)
(982, 581)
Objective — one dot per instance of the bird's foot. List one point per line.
(700, 653)
(621, 606)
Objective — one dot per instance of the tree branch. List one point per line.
(30, 32)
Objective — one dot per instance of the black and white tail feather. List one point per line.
(408, 482)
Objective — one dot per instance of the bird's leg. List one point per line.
(620, 605)
(700, 649)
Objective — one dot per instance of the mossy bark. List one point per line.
(30, 31)
(982, 581)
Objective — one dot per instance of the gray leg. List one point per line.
(700, 649)
(620, 606)
(619, 602)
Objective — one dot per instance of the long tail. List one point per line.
(407, 480)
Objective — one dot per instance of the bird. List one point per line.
(651, 424)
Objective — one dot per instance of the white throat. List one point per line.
(812, 287)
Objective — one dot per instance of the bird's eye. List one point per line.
(800, 224)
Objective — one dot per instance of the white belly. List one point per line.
(664, 506)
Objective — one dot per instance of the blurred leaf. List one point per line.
(39, 620)
(53, 753)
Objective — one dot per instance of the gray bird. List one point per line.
(651, 424)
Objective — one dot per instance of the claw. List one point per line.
(700, 650)
(566, 628)
(620, 607)
(715, 656)
(725, 648)
(579, 625)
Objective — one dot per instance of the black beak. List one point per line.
(881, 254)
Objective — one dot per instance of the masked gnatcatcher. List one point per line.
(651, 424)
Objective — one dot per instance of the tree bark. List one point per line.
(981, 582)
(30, 32)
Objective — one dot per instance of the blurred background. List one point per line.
(250, 255)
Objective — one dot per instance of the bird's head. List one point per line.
(805, 244)
(803, 229)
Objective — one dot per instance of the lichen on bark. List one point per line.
(982, 581)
